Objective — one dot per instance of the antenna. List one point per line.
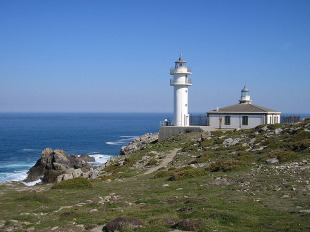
(181, 53)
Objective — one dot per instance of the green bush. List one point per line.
(105, 178)
(162, 174)
(77, 183)
(34, 197)
(128, 162)
(223, 165)
(243, 157)
(300, 145)
(185, 173)
(284, 155)
(152, 162)
(224, 218)
(206, 143)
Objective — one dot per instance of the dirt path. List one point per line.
(165, 161)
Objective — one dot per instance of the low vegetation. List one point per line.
(247, 180)
(77, 183)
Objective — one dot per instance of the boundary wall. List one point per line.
(169, 131)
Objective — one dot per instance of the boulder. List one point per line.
(123, 223)
(87, 158)
(54, 163)
(139, 143)
(278, 131)
(231, 142)
(263, 129)
(273, 161)
(189, 225)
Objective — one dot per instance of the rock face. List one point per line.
(55, 163)
(139, 143)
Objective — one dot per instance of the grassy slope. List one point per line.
(231, 188)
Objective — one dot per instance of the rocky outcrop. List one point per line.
(139, 143)
(56, 165)
(123, 223)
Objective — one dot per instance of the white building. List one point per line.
(180, 82)
(244, 115)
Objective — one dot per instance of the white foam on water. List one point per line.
(124, 141)
(32, 183)
(13, 176)
(112, 143)
(29, 149)
(14, 171)
(18, 165)
(100, 159)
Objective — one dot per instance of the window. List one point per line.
(245, 120)
(227, 120)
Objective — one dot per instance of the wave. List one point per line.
(13, 176)
(124, 141)
(30, 149)
(99, 158)
(32, 183)
(18, 165)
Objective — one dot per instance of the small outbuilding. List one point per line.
(244, 115)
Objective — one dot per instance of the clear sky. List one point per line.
(114, 56)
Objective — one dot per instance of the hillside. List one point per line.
(246, 180)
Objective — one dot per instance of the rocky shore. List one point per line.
(57, 166)
(139, 143)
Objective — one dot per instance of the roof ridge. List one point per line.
(239, 108)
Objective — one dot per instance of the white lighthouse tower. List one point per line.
(180, 82)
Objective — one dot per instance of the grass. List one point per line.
(233, 190)
(77, 183)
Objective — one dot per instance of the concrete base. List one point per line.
(169, 131)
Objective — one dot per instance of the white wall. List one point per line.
(236, 121)
(181, 105)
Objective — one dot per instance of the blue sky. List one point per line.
(114, 56)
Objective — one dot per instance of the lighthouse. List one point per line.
(245, 96)
(180, 82)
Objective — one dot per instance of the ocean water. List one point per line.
(23, 136)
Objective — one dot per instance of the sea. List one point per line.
(23, 136)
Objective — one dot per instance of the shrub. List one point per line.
(34, 197)
(284, 155)
(206, 143)
(224, 217)
(105, 177)
(77, 183)
(185, 173)
(190, 225)
(152, 162)
(243, 157)
(217, 133)
(162, 174)
(122, 224)
(223, 165)
(69, 214)
(128, 161)
(300, 145)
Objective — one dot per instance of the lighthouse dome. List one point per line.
(245, 89)
(245, 96)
